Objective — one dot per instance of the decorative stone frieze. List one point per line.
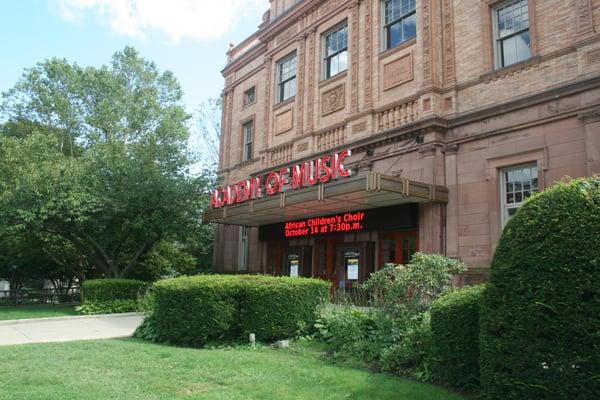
(397, 72)
(333, 100)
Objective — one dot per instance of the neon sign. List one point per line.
(347, 222)
(306, 174)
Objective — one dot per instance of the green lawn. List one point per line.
(131, 369)
(36, 311)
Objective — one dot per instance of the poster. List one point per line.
(352, 268)
(294, 264)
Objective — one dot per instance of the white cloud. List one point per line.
(178, 19)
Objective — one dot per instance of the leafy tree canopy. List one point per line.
(97, 158)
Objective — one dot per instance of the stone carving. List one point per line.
(284, 121)
(286, 35)
(585, 21)
(354, 58)
(368, 54)
(398, 71)
(228, 132)
(592, 56)
(300, 83)
(329, 6)
(268, 62)
(303, 146)
(360, 127)
(448, 43)
(311, 80)
(333, 100)
(426, 57)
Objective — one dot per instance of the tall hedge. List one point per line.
(195, 310)
(104, 290)
(540, 316)
(455, 337)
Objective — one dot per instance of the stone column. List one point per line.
(591, 124)
(300, 84)
(585, 19)
(450, 152)
(354, 37)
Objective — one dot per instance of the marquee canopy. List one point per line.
(361, 192)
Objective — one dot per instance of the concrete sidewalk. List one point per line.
(65, 329)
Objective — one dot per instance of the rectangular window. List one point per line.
(249, 96)
(400, 21)
(248, 139)
(286, 78)
(243, 250)
(518, 183)
(511, 24)
(336, 50)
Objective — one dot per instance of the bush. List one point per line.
(540, 315)
(108, 307)
(455, 337)
(103, 290)
(352, 333)
(275, 308)
(195, 310)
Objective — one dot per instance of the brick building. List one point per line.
(356, 132)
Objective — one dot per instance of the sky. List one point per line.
(188, 37)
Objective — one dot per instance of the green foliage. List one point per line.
(455, 337)
(108, 307)
(540, 315)
(276, 308)
(396, 335)
(405, 290)
(102, 290)
(97, 158)
(353, 333)
(410, 351)
(196, 310)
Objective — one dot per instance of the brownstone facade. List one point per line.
(438, 108)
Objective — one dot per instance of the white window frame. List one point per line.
(498, 61)
(504, 205)
(247, 142)
(243, 248)
(384, 31)
(325, 74)
(280, 83)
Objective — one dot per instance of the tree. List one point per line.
(207, 133)
(97, 157)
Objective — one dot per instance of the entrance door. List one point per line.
(397, 247)
(299, 261)
(354, 263)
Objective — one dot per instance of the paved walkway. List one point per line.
(65, 329)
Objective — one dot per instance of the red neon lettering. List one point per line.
(298, 176)
(341, 171)
(272, 183)
(312, 172)
(325, 169)
(284, 178)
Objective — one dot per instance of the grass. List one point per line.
(132, 369)
(36, 311)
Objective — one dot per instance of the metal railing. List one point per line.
(38, 296)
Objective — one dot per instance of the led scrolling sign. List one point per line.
(301, 175)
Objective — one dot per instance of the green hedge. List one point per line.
(455, 337)
(195, 310)
(540, 313)
(106, 290)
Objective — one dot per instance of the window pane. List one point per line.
(409, 27)
(523, 50)
(394, 34)
(343, 61)
(509, 51)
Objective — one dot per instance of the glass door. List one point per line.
(397, 247)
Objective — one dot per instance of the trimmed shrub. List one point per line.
(455, 337)
(192, 311)
(108, 307)
(195, 310)
(279, 308)
(540, 314)
(103, 290)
